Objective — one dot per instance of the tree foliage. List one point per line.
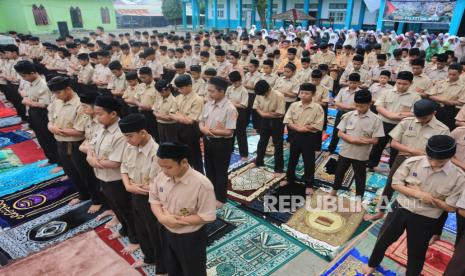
(171, 9)
(261, 9)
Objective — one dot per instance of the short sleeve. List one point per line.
(79, 123)
(207, 203)
(124, 167)
(402, 172)
(378, 128)
(256, 102)
(456, 196)
(288, 116)
(381, 100)
(281, 108)
(244, 97)
(319, 120)
(154, 197)
(44, 96)
(118, 147)
(398, 131)
(461, 115)
(231, 118)
(343, 123)
(196, 109)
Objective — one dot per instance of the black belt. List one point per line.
(209, 138)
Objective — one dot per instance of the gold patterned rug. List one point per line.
(325, 169)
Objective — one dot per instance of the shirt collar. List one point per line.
(221, 103)
(113, 127)
(447, 168)
(184, 178)
(36, 81)
(147, 147)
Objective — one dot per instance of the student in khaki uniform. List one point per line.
(304, 75)
(106, 157)
(102, 74)
(129, 95)
(379, 88)
(344, 103)
(357, 63)
(325, 56)
(250, 79)
(183, 200)
(291, 58)
(288, 85)
(268, 74)
(392, 107)
(376, 71)
(118, 84)
(427, 186)
(198, 84)
(190, 106)
(9, 79)
(327, 81)
(359, 130)
(217, 124)
(450, 94)
(440, 72)
(239, 97)
(153, 64)
(139, 167)
(305, 120)
(162, 109)
(37, 98)
(455, 266)
(222, 66)
(235, 66)
(460, 118)
(205, 61)
(421, 82)
(67, 123)
(84, 77)
(271, 107)
(146, 96)
(409, 137)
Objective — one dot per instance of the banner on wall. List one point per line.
(138, 7)
(419, 11)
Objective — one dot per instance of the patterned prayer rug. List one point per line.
(357, 253)
(10, 121)
(247, 183)
(236, 161)
(11, 138)
(252, 142)
(217, 229)
(451, 223)
(8, 160)
(7, 112)
(25, 176)
(47, 230)
(32, 202)
(85, 254)
(437, 256)
(325, 169)
(28, 151)
(374, 182)
(324, 231)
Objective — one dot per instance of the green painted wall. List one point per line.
(17, 15)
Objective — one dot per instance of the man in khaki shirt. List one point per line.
(440, 72)
(190, 107)
(409, 138)
(450, 94)
(183, 200)
(139, 167)
(304, 75)
(271, 107)
(379, 88)
(222, 66)
(304, 120)
(427, 186)
(291, 58)
(86, 71)
(359, 130)
(250, 80)
(325, 56)
(146, 96)
(102, 74)
(268, 74)
(365, 79)
(392, 107)
(162, 109)
(288, 85)
(421, 82)
(217, 124)
(106, 157)
(66, 122)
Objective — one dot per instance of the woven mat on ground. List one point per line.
(247, 183)
(47, 230)
(25, 176)
(437, 256)
(84, 254)
(8, 160)
(11, 138)
(299, 171)
(324, 231)
(325, 168)
(7, 112)
(255, 248)
(374, 182)
(28, 151)
(451, 223)
(351, 260)
(252, 142)
(10, 121)
(25, 205)
(236, 162)
(11, 128)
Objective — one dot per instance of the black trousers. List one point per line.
(273, 128)
(76, 167)
(388, 191)
(419, 228)
(190, 135)
(446, 115)
(360, 174)
(151, 122)
(185, 254)
(82, 88)
(240, 132)
(119, 200)
(335, 136)
(303, 144)
(148, 232)
(456, 266)
(217, 156)
(38, 121)
(252, 112)
(12, 95)
(167, 132)
(104, 92)
(377, 150)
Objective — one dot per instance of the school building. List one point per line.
(355, 14)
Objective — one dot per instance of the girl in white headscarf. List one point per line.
(252, 30)
(239, 31)
(351, 40)
(264, 33)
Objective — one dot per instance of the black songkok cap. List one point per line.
(25, 67)
(308, 87)
(255, 62)
(268, 62)
(132, 123)
(440, 147)
(183, 80)
(219, 82)
(58, 83)
(424, 107)
(405, 75)
(261, 87)
(131, 76)
(180, 65)
(354, 77)
(292, 51)
(83, 56)
(220, 53)
(196, 68)
(161, 84)
(108, 102)
(234, 76)
(362, 96)
(88, 97)
(172, 150)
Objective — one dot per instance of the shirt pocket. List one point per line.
(185, 208)
(405, 107)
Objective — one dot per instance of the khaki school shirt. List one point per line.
(365, 78)
(346, 96)
(328, 58)
(199, 86)
(130, 92)
(461, 115)
(437, 74)
(238, 95)
(446, 184)
(410, 132)
(377, 89)
(272, 102)
(366, 125)
(321, 94)
(157, 68)
(141, 163)
(459, 135)
(110, 145)
(38, 92)
(421, 81)
(190, 105)
(118, 83)
(91, 129)
(376, 71)
(269, 78)
(146, 94)
(449, 90)
(252, 79)
(165, 106)
(67, 115)
(222, 112)
(85, 74)
(223, 68)
(191, 194)
(397, 102)
(102, 73)
(303, 75)
(328, 82)
(291, 85)
(310, 115)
